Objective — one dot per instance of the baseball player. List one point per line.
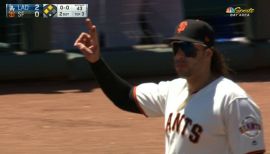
(205, 112)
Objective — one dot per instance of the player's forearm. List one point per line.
(117, 89)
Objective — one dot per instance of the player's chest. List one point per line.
(193, 115)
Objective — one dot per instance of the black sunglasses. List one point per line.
(188, 48)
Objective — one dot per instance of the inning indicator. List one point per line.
(46, 10)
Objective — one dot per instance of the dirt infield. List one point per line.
(76, 118)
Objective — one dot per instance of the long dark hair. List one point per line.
(218, 64)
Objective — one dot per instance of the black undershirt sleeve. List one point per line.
(115, 88)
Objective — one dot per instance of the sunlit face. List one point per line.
(189, 58)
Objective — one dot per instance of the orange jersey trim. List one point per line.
(134, 95)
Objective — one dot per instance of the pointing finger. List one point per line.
(89, 24)
(92, 30)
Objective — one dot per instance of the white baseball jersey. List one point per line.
(220, 118)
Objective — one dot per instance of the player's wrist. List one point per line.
(94, 61)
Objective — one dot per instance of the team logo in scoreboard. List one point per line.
(49, 10)
(11, 12)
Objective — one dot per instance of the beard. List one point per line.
(182, 69)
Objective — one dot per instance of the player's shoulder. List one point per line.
(230, 89)
(165, 84)
(178, 82)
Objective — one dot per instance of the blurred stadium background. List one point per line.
(131, 34)
(129, 31)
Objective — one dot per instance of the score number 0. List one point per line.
(36, 10)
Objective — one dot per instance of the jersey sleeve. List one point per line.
(151, 98)
(243, 124)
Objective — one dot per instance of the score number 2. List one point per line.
(36, 10)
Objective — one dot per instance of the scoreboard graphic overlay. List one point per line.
(46, 10)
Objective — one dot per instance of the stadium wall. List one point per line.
(148, 60)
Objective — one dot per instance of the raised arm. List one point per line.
(118, 90)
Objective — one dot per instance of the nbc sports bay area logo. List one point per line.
(239, 12)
